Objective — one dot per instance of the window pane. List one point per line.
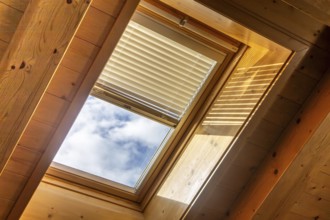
(111, 142)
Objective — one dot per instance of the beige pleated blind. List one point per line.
(155, 71)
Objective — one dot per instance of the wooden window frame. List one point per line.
(212, 85)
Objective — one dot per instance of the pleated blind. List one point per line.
(155, 71)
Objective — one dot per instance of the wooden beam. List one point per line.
(31, 59)
(298, 133)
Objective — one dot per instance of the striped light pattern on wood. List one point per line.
(155, 71)
(241, 94)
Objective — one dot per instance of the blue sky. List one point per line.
(111, 142)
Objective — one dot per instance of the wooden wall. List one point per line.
(54, 202)
(22, 173)
(11, 12)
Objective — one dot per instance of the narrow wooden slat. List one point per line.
(9, 18)
(299, 86)
(36, 136)
(315, 63)
(5, 206)
(35, 56)
(312, 207)
(3, 47)
(267, 136)
(11, 185)
(282, 112)
(65, 83)
(58, 107)
(80, 55)
(98, 33)
(319, 185)
(112, 8)
(65, 204)
(22, 161)
(316, 9)
(17, 4)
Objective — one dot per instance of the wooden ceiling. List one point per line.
(286, 175)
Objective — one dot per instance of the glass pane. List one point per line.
(111, 142)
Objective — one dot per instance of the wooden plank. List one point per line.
(23, 161)
(65, 83)
(112, 8)
(80, 56)
(17, 4)
(311, 206)
(282, 112)
(267, 135)
(319, 185)
(11, 185)
(298, 87)
(9, 18)
(36, 136)
(58, 107)
(279, 15)
(63, 128)
(66, 205)
(3, 47)
(316, 9)
(316, 109)
(5, 206)
(24, 85)
(100, 30)
(315, 63)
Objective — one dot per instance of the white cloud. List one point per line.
(110, 142)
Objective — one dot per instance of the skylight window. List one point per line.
(148, 84)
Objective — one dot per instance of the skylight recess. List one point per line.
(155, 72)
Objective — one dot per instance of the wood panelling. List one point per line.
(281, 157)
(5, 206)
(23, 161)
(17, 4)
(79, 56)
(9, 18)
(3, 47)
(304, 187)
(69, 81)
(300, 87)
(36, 136)
(61, 92)
(63, 204)
(93, 18)
(58, 106)
(112, 8)
(30, 62)
(285, 114)
(318, 9)
(11, 185)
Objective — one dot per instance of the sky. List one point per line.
(111, 142)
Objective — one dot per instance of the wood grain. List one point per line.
(26, 74)
(288, 147)
(17, 4)
(9, 18)
(316, 9)
(100, 30)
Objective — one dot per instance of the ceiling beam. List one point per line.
(32, 57)
(289, 146)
